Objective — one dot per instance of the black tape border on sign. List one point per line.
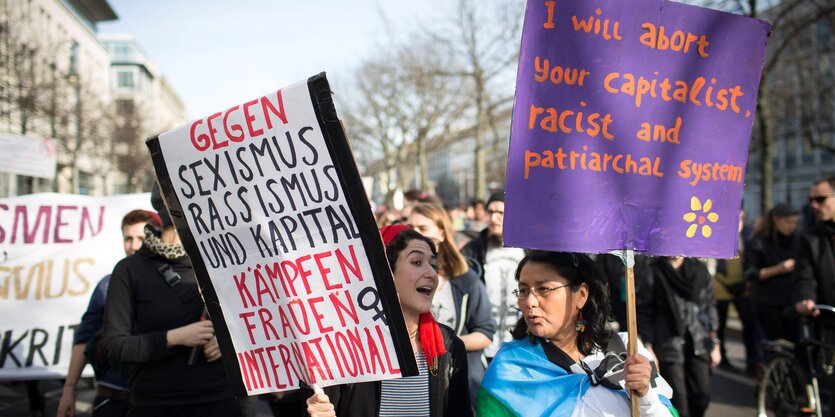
(207, 291)
(358, 202)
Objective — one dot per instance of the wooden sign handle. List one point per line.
(632, 330)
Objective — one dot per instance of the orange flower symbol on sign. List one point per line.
(700, 219)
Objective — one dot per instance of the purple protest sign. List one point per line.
(631, 127)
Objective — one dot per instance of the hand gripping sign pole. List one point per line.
(628, 258)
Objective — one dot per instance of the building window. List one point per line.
(85, 183)
(124, 79)
(124, 107)
(74, 58)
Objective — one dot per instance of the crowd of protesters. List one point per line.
(497, 309)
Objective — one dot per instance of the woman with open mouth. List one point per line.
(563, 360)
(461, 300)
(441, 389)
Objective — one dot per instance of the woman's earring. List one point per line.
(580, 323)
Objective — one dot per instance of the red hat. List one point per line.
(389, 232)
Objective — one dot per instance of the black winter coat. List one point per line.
(140, 310)
(814, 272)
(661, 311)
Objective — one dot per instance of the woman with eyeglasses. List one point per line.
(563, 360)
(461, 301)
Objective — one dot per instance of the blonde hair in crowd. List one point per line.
(450, 261)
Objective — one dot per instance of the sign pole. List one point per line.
(631, 321)
(628, 258)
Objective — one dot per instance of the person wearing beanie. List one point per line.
(769, 263)
(497, 264)
(442, 388)
(155, 320)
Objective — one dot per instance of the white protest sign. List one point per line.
(271, 210)
(54, 249)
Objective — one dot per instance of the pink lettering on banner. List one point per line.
(39, 225)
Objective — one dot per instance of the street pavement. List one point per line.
(732, 394)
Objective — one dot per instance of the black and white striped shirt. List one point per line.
(407, 396)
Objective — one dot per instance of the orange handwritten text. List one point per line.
(693, 92)
(620, 163)
(678, 41)
(568, 121)
(549, 24)
(710, 171)
(660, 133)
(597, 26)
(558, 74)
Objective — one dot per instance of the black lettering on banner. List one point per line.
(217, 250)
(9, 347)
(190, 193)
(215, 170)
(374, 305)
(231, 166)
(293, 160)
(270, 183)
(36, 343)
(31, 347)
(334, 184)
(249, 175)
(262, 151)
(312, 148)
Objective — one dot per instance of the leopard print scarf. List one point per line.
(156, 245)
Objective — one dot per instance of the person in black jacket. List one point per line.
(769, 262)
(814, 274)
(154, 321)
(441, 389)
(677, 319)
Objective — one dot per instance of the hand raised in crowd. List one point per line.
(195, 334)
(637, 374)
(211, 350)
(319, 405)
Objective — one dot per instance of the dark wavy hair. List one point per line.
(578, 269)
(399, 242)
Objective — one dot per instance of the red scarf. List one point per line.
(432, 341)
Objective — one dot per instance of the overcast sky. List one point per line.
(219, 53)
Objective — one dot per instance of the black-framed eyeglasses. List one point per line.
(540, 292)
(820, 198)
(492, 212)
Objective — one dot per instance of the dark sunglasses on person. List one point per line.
(820, 198)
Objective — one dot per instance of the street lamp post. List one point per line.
(74, 79)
